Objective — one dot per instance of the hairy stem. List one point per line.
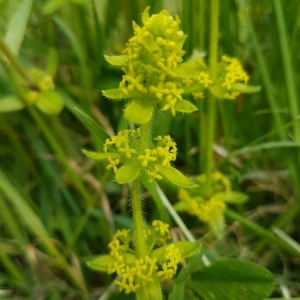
(136, 201)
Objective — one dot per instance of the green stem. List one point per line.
(136, 201)
(14, 61)
(287, 67)
(139, 235)
(10, 267)
(213, 56)
(145, 136)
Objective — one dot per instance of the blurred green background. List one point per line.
(58, 208)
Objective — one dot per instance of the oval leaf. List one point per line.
(185, 106)
(100, 263)
(113, 94)
(176, 177)
(139, 111)
(230, 279)
(99, 155)
(10, 103)
(189, 69)
(116, 60)
(243, 88)
(232, 197)
(187, 249)
(128, 172)
(180, 206)
(217, 225)
(49, 102)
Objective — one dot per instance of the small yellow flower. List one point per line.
(113, 164)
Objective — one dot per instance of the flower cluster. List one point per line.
(42, 94)
(208, 210)
(149, 63)
(124, 157)
(220, 183)
(232, 74)
(153, 53)
(231, 80)
(133, 270)
(43, 82)
(123, 149)
(205, 210)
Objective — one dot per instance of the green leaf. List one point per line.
(99, 155)
(145, 15)
(128, 172)
(189, 69)
(230, 279)
(217, 225)
(232, 197)
(176, 177)
(177, 292)
(17, 26)
(92, 125)
(149, 43)
(51, 6)
(115, 94)
(243, 88)
(180, 206)
(186, 249)
(101, 262)
(139, 111)
(193, 264)
(218, 91)
(149, 291)
(185, 106)
(10, 103)
(49, 102)
(116, 60)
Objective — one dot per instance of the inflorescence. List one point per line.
(210, 209)
(134, 270)
(124, 148)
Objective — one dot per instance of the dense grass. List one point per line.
(58, 209)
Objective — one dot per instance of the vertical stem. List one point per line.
(213, 52)
(287, 68)
(14, 61)
(136, 201)
(145, 136)
(139, 235)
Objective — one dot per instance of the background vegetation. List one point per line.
(58, 208)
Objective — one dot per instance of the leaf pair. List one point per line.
(140, 109)
(48, 102)
(133, 168)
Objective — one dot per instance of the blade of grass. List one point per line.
(34, 224)
(287, 67)
(10, 267)
(17, 26)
